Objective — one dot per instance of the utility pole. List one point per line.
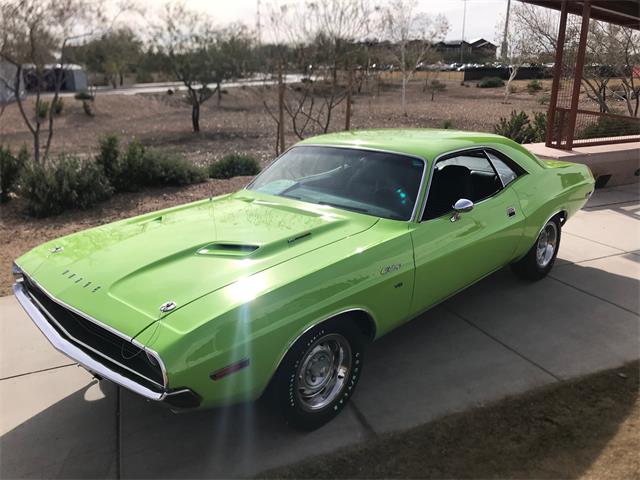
(504, 49)
(258, 24)
(464, 23)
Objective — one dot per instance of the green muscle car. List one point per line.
(278, 288)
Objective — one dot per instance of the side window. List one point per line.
(507, 174)
(467, 175)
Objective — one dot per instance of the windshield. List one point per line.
(375, 183)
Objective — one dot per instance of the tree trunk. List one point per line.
(280, 110)
(404, 94)
(347, 120)
(404, 79)
(121, 78)
(195, 115)
(219, 92)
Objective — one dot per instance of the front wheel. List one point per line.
(539, 260)
(319, 374)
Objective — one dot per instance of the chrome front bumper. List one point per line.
(70, 350)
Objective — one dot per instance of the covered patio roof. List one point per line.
(619, 12)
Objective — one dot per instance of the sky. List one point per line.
(482, 15)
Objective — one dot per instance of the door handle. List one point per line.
(511, 212)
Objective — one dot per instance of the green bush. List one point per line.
(144, 77)
(534, 86)
(57, 106)
(83, 95)
(10, 169)
(65, 183)
(138, 167)
(609, 127)
(42, 109)
(108, 157)
(170, 169)
(491, 82)
(234, 165)
(520, 128)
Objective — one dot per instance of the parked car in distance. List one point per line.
(277, 289)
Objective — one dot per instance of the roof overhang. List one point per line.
(618, 12)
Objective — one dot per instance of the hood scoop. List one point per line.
(227, 249)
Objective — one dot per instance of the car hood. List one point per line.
(123, 272)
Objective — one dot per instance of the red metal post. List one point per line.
(557, 73)
(577, 79)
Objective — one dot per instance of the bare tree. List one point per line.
(35, 33)
(412, 35)
(320, 38)
(612, 52)
(188, 40)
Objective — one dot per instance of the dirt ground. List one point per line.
(586, 428)
(239, 124)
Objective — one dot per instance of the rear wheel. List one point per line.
(319, 374)
(539, 260)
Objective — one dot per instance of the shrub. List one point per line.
(491, 82)
(109, 156)
(10, 168)
(42, 109)
(168, 169)
(144, 77)
(66, 183)
(534, 86)
(609, 127)
(83, 95)
(138, 167)
(88, 108)
(234, 165)
(57, 106)
(519, 127)
(447, 124)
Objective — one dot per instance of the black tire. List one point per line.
(532, 266)
(285, 388)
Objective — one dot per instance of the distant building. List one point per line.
(74, 78)
(476, 51)
(8, 83)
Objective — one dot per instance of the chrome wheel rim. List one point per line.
(547, 243)
(323, 372)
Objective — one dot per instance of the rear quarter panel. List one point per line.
(557, 187)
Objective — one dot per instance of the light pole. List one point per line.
(504, 49)
(464, 23)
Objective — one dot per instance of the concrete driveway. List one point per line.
(500, 337)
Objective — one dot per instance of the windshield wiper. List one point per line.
(346, 207)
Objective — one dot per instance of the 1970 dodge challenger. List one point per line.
(279, 287)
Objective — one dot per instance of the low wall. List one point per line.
(617, 164)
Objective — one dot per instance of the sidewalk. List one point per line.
(500, 337)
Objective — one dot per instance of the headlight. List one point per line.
(18, 276)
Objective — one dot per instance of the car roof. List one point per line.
(426, 143)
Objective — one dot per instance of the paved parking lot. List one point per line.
(500, 337)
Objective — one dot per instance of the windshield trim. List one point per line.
(419, 199)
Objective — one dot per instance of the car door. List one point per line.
(453, 250)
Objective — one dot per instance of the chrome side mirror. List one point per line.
(461, 206)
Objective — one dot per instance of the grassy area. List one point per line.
(584, 428)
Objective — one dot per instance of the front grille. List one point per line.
(104, 346)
